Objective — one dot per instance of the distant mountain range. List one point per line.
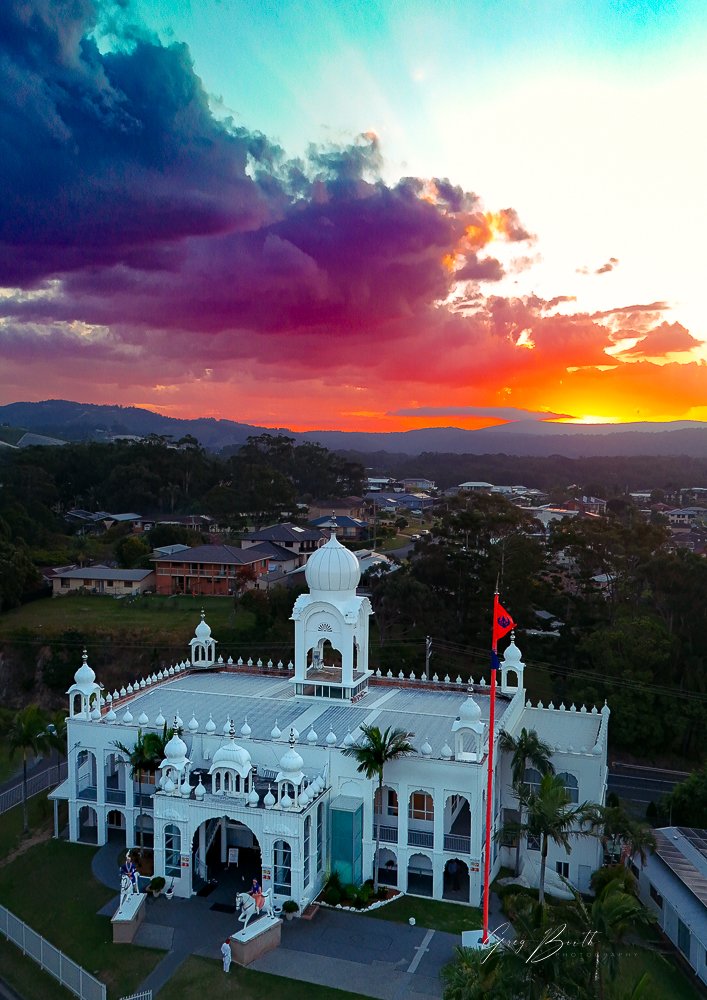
(63, 419)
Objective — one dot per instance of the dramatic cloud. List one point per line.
(668, 338)
(152, 253)
(610, 264)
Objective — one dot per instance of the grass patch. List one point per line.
(667, 979)
(432, 913)
(40, 817)
(52, 888)
(26, 977)
(202, 977)
(178, 615)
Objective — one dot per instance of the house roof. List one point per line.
(218, 554)
(104, 573)
(341, 520)
(271, 550)
(284, 533)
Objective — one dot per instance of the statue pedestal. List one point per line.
(128, 917)
(256, 940)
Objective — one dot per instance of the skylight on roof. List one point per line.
(295, 528)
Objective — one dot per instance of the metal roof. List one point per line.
(684, 851)
(267, 698)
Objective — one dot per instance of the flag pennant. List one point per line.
(502, 622)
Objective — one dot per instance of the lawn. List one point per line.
(667, 980)
(432, 913)
(52, 888)
(203, 977)
(177, 615)
(40, 813)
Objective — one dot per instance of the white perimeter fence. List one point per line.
(81, 983)
(36, 784)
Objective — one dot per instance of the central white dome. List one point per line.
(333, 568)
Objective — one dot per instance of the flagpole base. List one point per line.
(475, 940)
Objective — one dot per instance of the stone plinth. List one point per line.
(256, 940)
(128, 917)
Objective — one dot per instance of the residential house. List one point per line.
(103, 580)
(210, 570)
(346, 527)
(348, 507)
(302, 541)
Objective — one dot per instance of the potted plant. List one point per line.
(156, 885)
(169, 891)
(289, 908)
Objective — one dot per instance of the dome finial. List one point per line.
(292, 740)
(203, 614)
(232, 730)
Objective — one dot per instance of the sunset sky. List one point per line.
(358, 215)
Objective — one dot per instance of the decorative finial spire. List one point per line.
(84, 655)
(232, 730)
(292, 740)
(203, 614)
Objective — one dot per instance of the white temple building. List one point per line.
(255, 775)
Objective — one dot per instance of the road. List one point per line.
(641, 785)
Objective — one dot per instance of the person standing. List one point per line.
(453, 872)
(226, 952)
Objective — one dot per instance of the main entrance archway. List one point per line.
(226, 858)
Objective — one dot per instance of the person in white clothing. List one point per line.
(226, 952)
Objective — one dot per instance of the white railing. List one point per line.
(144, 995)
(81, 983)
(36, 784)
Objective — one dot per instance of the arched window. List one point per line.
(307, 848)
(320, 836)
(172, 851)
(571, 786)
(421, 807)
(282, 857)
(532, 779)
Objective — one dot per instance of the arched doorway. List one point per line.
(144, 831)
(88, 825)
(456, 881)
(387, 867)
(225, 859)
(420, 875)
(116, 827)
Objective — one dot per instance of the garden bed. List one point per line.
(386, 895)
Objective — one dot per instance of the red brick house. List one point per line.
(204, 570)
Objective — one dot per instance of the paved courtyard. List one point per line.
(381, 959)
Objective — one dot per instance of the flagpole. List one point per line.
(489, 784)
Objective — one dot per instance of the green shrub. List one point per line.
(290, 906)
(332, 895)
(157, 884)
(333, 881)
(350, 892)
(364, 894)
(614, 873)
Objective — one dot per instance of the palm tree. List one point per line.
(144, 757)
(549, 816)
(474, 974)
(603, 927)
(612, 824)
(28, 733)
(378, 749)
(527, 750)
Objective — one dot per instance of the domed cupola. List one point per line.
(203, 647)
(331, 627)
(468, 730)
(332, 569)
(512, 668)
(175, 765)
(290, 776)
(231, 768)
(85, 689)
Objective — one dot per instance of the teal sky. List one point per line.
(303, 71)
